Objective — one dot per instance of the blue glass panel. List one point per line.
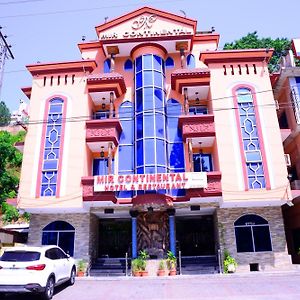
(147, 62)
(139, 100)
(126, 136)
(158, 80)
(150, 150)
(253, 156)
(158, 99)
(126, 110)
(49, 238)
(126, 157)
(148, 99)
(140, 153)
(150, 170)
(138, 64)
(161, 151)
(139, 126)
(56, 100)
(128, 66)
(202, 162)
(157, 63)
(148, 78)
(173, 108)
(106, 66)
(125, 194)
(139, 80)
(140, 170)
(161, 170)
(177, 193)
(190, 61)
(159, 125)
(174, 135)
(169, 62)
(244, 95)
(57, 108)
(50, 164)
(149, 128)
(176, 155)
(59, 226)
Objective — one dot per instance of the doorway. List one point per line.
(114, 237)
(195, 235)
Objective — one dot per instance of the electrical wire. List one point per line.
(20, 2)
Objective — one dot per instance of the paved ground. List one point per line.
(255, 286)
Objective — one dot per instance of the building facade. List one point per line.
(286, 85)
(155, 140)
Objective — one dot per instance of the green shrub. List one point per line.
(228, 260)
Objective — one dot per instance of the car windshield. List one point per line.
(20, 256)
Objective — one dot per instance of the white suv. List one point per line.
(35, 269)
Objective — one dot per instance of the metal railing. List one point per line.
(126, 264)
(220, 261)
(179, 261)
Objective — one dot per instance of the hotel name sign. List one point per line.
(144, 182)
(143, 27)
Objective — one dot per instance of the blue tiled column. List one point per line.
(171, 213)
(134, 215)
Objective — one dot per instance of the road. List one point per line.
(253, 286)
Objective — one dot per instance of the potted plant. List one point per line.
(171, 263)
(81, 268)
(136, 267)
(143, 256)
(161, 268)
(229, 263)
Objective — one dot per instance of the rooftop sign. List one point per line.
(163, 181)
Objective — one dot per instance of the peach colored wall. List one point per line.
(73, 164)
(227, 134)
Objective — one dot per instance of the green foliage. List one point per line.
(228, 260)
(252, 41)
(81, 265)
(162, 265)
(26, 216)
(10, 213)
(4, 114)
(138, 264)
(143, 255)
(10, 164)
(171, 260)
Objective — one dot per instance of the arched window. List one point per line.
(190, 60)
(128, 66)
(106, 66)
(252, 234)
(59, 233)
(250, 139)
(169, 62)
(175, 144)
(53, 132)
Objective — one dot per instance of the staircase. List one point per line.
(199, 265)
(104, 267)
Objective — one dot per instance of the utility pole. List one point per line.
(5, 53)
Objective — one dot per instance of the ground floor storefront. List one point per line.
(253, 236)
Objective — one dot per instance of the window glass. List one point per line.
(158, 98)
(106, 66)
(250, 219)
(126, 156)
(139, 100)
(190, 60)
(139, 80)
(138, 64)
(128, 66)
(169, 62)
(202, 162)
(150, 150)
(160, 125)
(176, 155)
(158, 79)
(20, 256)
(262, 239)
(157, 63)
(244, 241)
(139, 126)
(140, 153)
(148, 78)
(148, 99)
(147, 62)
(161, 150)
(149, 128)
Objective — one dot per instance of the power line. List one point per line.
(20, 2)
(84, 9)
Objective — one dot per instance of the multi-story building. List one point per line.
(156, 140)
(287, 93)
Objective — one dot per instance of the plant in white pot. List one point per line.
(229, 263)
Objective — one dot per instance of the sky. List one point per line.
(49, 30)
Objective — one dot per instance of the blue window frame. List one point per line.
(106, 66)
(52, 147)
(252, 234)
(202, 162)
(190, 60)
(198, 110)
(250, 139)
(128, 66)
(59, 233)
(169, 62)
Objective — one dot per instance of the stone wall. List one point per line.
(94, 236)
(278, 259)
(81, 223)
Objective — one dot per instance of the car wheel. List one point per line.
(49, 290)
(71, 281)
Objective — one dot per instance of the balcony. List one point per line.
(198, 128)
(102, 132)
(88, 193)
(214, 187)
(101, 87)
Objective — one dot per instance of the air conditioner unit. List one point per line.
(287, 160)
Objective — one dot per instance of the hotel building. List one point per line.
(154, 139)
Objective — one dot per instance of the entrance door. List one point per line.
(195, 235)
(114, 237)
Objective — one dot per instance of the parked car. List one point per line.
(35, 270)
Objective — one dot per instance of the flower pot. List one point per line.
(161, 273)
(172, 272)
(137, 273)
(80, 273)
(231, 268)
(144, 273)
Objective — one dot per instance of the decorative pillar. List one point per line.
(109, 162)
(182, 58)
(171, 213)
(190, 147)
(134, 214)
(185, 104)
(111, 105)
(112, 63)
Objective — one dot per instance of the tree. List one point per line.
(4, 114)
(10, 163)
(252, 41)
